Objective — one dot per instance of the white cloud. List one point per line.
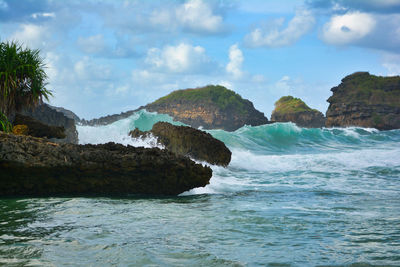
(87, 69)
(392, 63)
(92, 44)
(194, 16)
(284, 86)
(3, 5)
(43, 15)
(348, 28)
(33, 36)
(273, 36)
(183, 58)
(235, 62)
(198, 16)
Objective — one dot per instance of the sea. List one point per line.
(290, 197)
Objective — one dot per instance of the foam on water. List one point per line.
(263, 153)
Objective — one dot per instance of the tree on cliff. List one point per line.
(22, 78)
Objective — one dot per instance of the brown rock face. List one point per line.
(188, 141)
(211, 107)
(365, 100)
(34, 167)
(306, 119)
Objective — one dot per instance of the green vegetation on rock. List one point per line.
(363, 87)
(290, 104)
(210, 94)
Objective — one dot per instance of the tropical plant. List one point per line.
(22, 78)
(5, 125)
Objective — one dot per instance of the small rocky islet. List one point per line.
(56, 165)
(291, 109)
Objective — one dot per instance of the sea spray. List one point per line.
(264, 155)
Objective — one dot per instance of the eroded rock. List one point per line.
(365, 100)
(35, 167)
(188, 141)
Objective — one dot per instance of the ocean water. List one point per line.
(290, 197)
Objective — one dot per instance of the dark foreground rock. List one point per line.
(290, 109)
(50, 116)
(365, 100)
(34, 167)
(188, 141)
(38, 129)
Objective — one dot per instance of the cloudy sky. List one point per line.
(104, 57)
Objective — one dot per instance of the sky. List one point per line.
(105, 57)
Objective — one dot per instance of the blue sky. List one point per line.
(104, 57)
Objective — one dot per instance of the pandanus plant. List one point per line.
(22, 79)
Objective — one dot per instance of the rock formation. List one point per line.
(47, 115)
(66, 112)
(35, 167)
(108, 119)
(292, 109)
(37, 129)
(211, 107)
(365, 100)
(188, 141)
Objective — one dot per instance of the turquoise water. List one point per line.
(290, 197)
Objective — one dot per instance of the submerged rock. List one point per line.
(290, 109)
(188, 141)
(365, 100)
(35, 167)
(211, 107)
(37, 129)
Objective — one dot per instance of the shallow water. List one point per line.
(290, 197)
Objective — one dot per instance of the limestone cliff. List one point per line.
(212, 107)
(365, 100)
(292, 109)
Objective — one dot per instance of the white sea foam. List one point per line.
(115, 132)
(256, 167)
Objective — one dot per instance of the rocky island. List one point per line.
(365, 100)
(290, 109)
(210, 107)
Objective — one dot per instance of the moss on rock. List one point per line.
(289, 108)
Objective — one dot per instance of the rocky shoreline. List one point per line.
(36, 167)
